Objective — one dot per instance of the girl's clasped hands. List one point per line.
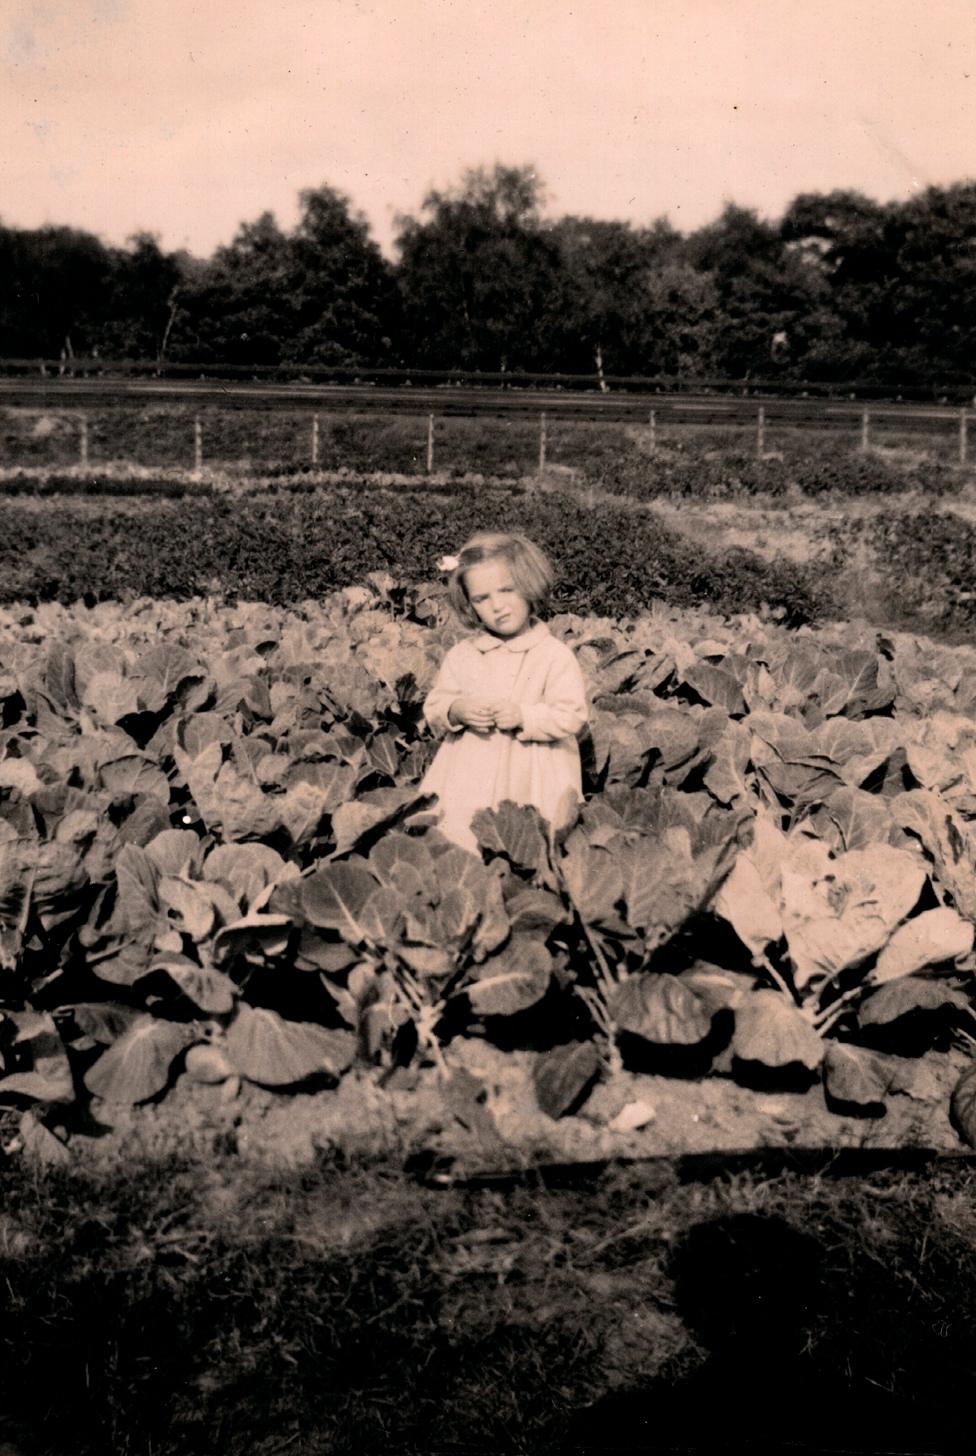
(485, 714)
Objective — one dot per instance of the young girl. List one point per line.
(511, 699)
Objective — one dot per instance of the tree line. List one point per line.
(840, 288)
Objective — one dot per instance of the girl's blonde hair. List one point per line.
(530, 568)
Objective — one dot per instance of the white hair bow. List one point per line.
(448, 563)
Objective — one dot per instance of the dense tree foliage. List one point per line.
(57, 289)
(841, 288)
(479, 274)
(609, 269)
(66, 294)
(320, 295)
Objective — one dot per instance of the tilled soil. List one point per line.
(484, 1116)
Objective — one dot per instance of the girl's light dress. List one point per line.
(537, 764)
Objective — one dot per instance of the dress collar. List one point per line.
(486, 642)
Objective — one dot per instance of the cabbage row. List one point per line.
(214, 857)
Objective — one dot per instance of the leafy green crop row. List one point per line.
(101, 483)
(288, 548)
(730, 474)
(930, 556)
(214, 856)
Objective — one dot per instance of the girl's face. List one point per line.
(496, 598)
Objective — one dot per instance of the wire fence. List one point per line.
(196, 435)
(438, 424)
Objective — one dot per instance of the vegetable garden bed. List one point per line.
(217, 874)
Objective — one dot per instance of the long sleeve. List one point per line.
(447, 687)
(563, 709)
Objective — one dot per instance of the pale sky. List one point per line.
(187, 117)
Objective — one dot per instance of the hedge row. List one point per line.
(287, 548)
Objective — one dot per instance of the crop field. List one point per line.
(563, 1145)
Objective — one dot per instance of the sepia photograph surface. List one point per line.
(487, 727)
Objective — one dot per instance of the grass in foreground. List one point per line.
(188, 1309)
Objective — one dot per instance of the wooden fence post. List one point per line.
(761, 432)
(865, 431)
(315, 439)
(963, 436)
(542, 441)
(83, 441)
(653, 427)
(430, 444)
(197, 445)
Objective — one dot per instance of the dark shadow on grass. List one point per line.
(179, 1310)
(782, 1371)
